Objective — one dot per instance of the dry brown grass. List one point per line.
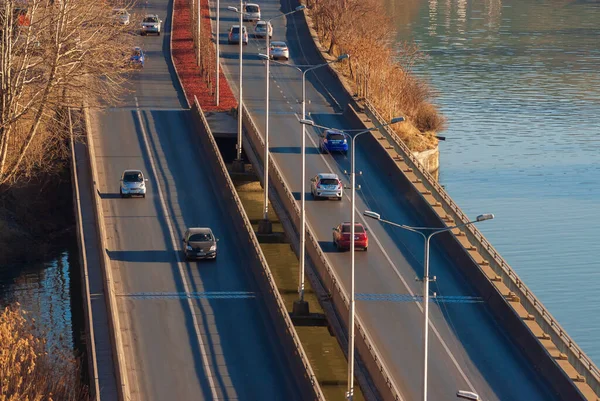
(379, 69)
(30, 369)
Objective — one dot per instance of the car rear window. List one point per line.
(346, 228)
(278, 44)
(329, 181)
(200, 238)
(335, 137)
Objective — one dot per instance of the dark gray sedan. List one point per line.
(199, 243)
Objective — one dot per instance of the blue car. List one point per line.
(137, 57)
(333, 141)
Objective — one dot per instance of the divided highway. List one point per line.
(191, 331)
(468, 349)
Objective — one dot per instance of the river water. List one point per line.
(48, 290)
(519, 81)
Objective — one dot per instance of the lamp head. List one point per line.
(232, 8)
(343, 57)
(263, 56)
(397, 120)
(484, 217)
(300, 8)
(307, 122)
(372, 214)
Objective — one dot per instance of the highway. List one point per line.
(468, 350)
(191, 331)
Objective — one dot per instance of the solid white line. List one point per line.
(174, 243)
(437, 334)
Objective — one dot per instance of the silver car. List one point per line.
(133, 183)
(122, 16)
(251, 12)
(199, 243)
(151, 24)
(279, 50)
(260, 29)
(326, 185)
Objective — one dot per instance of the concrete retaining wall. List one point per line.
(530, 325)
(367, 351)
(109, 290)
(285, 329)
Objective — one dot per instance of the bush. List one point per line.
(380, 72)
(32, 370)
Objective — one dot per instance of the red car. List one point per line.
(341, 236)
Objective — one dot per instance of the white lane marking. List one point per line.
(179, 262)
(437, 334)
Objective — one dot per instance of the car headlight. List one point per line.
(189, 248)
(213, 248)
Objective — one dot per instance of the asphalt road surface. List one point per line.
(192, 331)
(468, 350)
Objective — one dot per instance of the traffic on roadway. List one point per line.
(197, 329)
(468, 350)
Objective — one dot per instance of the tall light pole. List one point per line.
(350, 392)
(300, 307)
(218, 62)
(265, 226)
(238, 163)
(426, 279)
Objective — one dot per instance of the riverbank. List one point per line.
(33, 216)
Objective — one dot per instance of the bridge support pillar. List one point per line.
(265, 227)
(238, 166)
(300, 308)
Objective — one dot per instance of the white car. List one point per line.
(122, 16)
(326, 185)
(133, 183)
(251, 12)
(151, 24)
(260, 29)
(279, 50)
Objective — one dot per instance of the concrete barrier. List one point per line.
(367, 351)
(85, 284)
(285, 329)
(532, 327)
(109, 290)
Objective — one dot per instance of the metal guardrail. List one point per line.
(576, 357)
(89, 325)
(289, 326)
(375, 365)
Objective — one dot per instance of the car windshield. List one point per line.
(329, 181)
(278, 44)
(251, 9)
(137, 52)
(261, 27)
(132, 177)
(151, 19)
(346, 228)
(121, 12)
(202, 237)
(335, 137)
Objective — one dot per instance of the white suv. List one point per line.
(151, 24)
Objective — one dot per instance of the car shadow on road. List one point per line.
(307, 196)
(293, 150)
(143, 256)
(328, 247)
(108, 195)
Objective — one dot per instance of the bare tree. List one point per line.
(54, 54)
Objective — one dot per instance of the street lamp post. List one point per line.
(300, 307)
(350, 392)
(265, 226)
(218, 62)
(426, 278)
(238, 163)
